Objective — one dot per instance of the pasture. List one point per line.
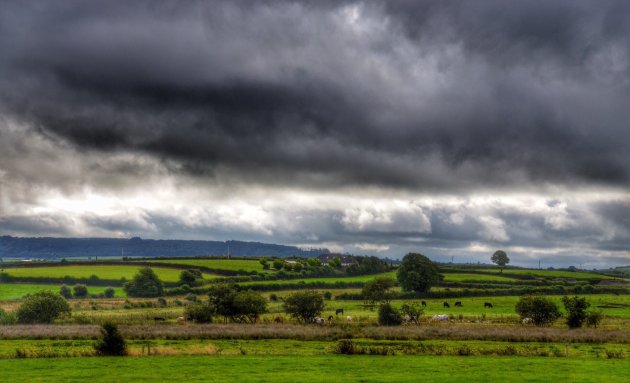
(110, 272)
(219, 264)
(346, 368)
(10, 291)
(578, 275)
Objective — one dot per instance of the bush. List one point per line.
(377, 290)
(112, 343)
(6, 318)
(65, 292)
(161, 302)
(80, 291)
(191, 297)
(248, 305)
(541, 310)
(273, 297)
(278, 264)
(42, 307)
(109, 292)
(388, 315)
(304, 305)
(345, 346)
(328, 295)
(189, 277)
(200, 312)
(145, 284)
(593, 318)
(576, 310)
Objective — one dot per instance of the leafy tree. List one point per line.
(248, 306)
(593, 318)
(335, 262)
(377, 290)
(42, 307)
(327, 295)
(500, 258)
(264, 263)
(221, 297)
(304, 305)
(576, 310)
(65, 292)
(413, 311)
(112, 342)
(109, 292)
(298, 267)
(388, 315)
(417, 273)
(144, 284)
(189, 277)
(541, 310)
(278, 264)
(288, 267)
(80, 291)
(199, 312)
(314, 262)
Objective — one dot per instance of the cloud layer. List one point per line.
(368, 126)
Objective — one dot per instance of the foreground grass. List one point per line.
(314, 369)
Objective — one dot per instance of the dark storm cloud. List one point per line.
(426, 95)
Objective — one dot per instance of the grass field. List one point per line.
(10, 291)
(327, 368)
(101, 271)
(580, 275)
(219, 264)
(467, 277)
(328, 280)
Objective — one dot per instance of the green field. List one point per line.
(219, 264)
(10, 291)
(580, 275)
(328, 280)
(328, 368)
(101, 271)
(468, 277)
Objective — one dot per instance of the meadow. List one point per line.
(109, 272)
(219, 264)
(10, 291)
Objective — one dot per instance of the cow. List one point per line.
(318, 320)
(439, 318)
(330, 318)
(527, 321)
(278, 319)
(349, 318)
(339, 311)
(159, 319)
(445, 304)
(424, 303)
(181, 320)
(407, 318)
(487, 304)
(458, 304)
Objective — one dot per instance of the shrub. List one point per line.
(304, 305)
(328, 295)
(273, 297)
(388, 315)
(593, 318)
(413, 311)
(278, 264)
(42, 307)
(576, 310)
(191, 297)
(345, 346)
(189, 277)
(65, 292)
(541, 310)
(199, 312)
(112, 343)
(377, 290)
(161, 302)
(248, 305)
(80, 291)
(6, 318)
(145, 284)
(109, 292)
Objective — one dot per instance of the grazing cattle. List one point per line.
(339, 311)
(527, 321)
(160, 319)
(424, 304)
(440, 318)
(330, 318)
(349, 318)
(279, 320)
(458, 304)
(487, 304)
(181, 320)
(446, 305)
(407, 318)
(319, 320)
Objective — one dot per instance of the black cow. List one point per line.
(339, 311)
(424, 304)
(487, 304)
(330, 318)
(446, 304)
(458, 304)
(159, 319)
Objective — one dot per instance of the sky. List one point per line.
(449, 128)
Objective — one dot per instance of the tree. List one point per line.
(264, 263)
(417, 273)
(576, 310)
(278, 264)
(109, 292)
(304, 305)
(593, 318)
(388, 315)
(199, 312)
(248, 306)
(144, 284)
(65, 292)
(298, 267)
(112, 342)
(335, 262)
(189, 277)
(42, 307)
(80, 291)
(314, 262)
(377, 290)
(221, 297)
(500, 258)
(542, 311)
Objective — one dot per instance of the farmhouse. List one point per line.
(346, 260)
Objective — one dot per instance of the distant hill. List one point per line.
(53, 248)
